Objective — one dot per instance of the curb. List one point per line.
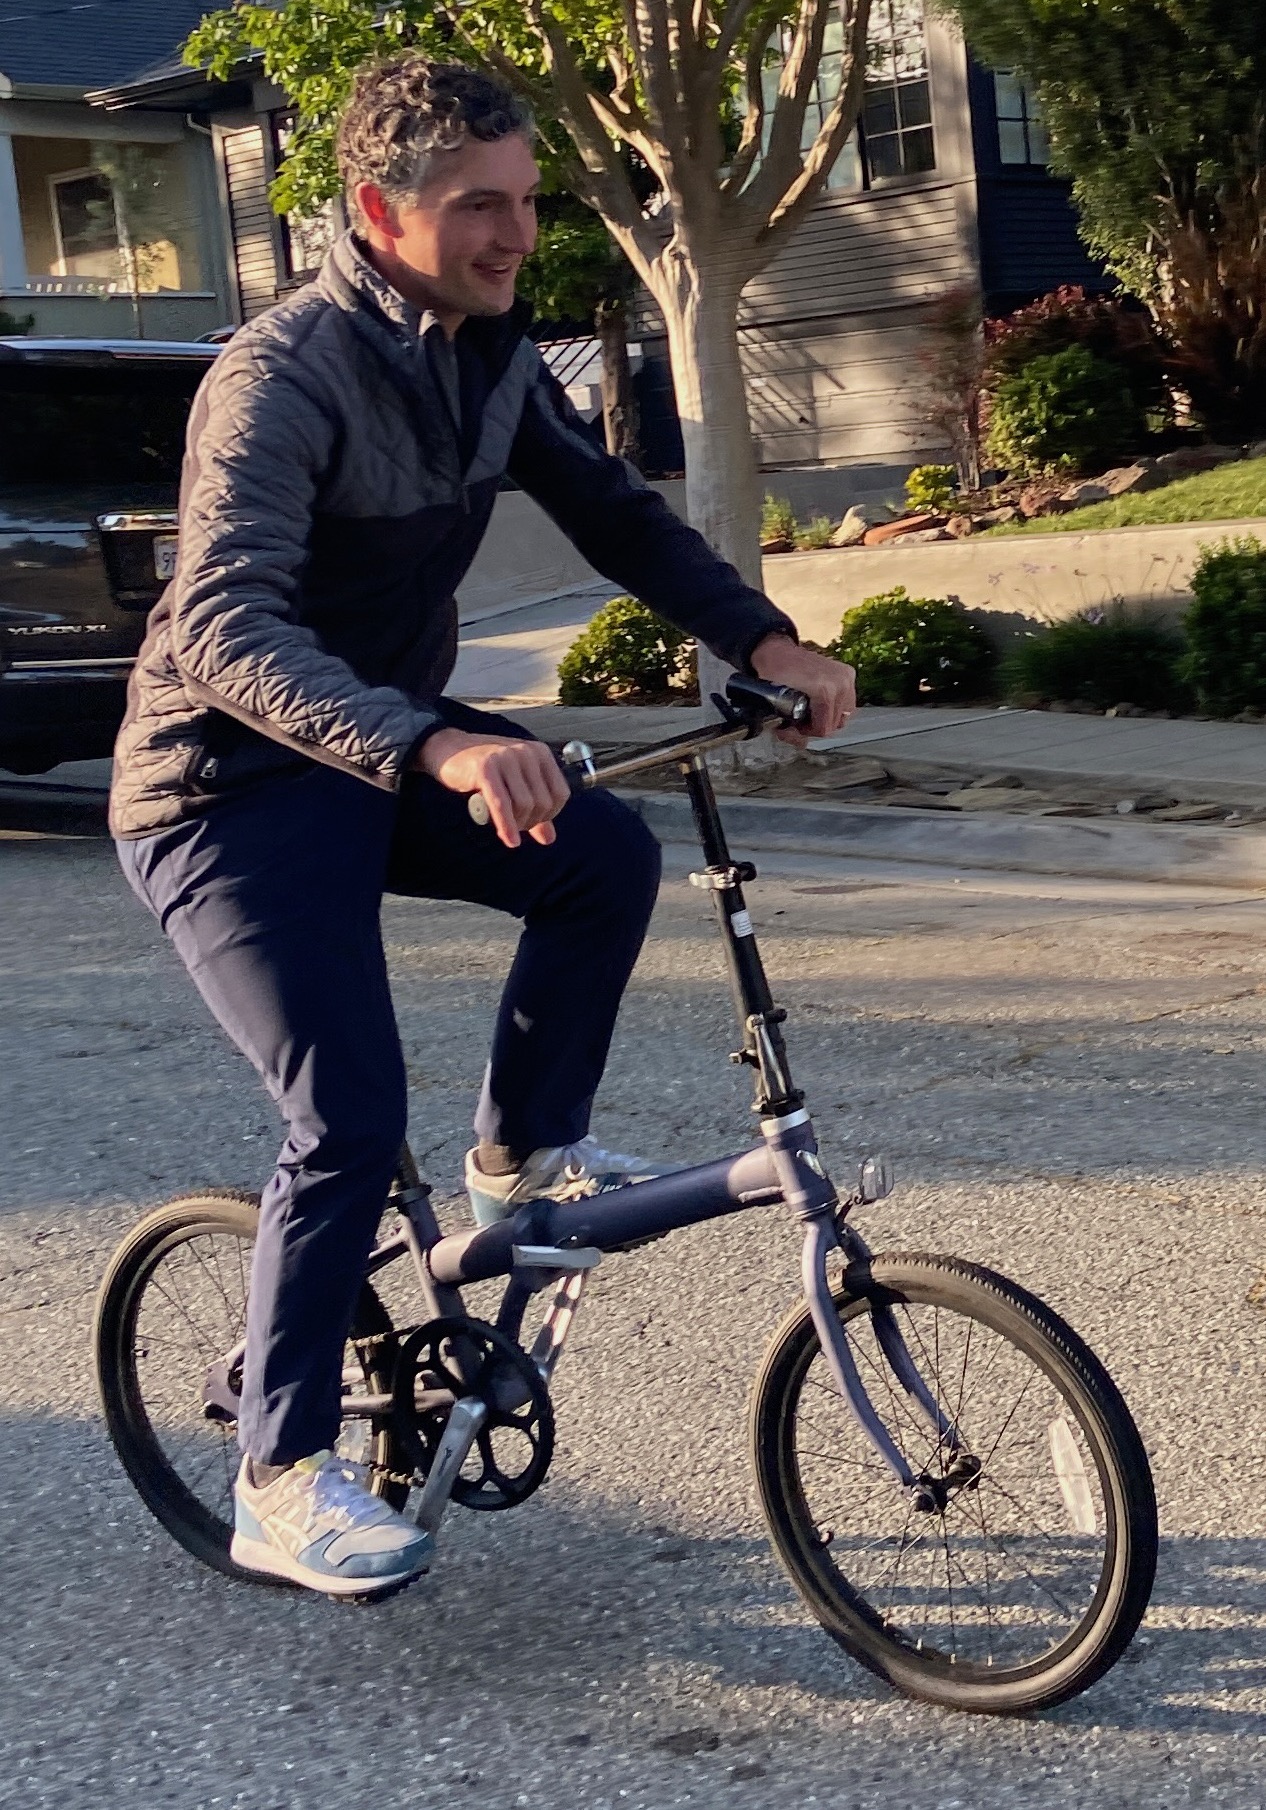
(1091, 848)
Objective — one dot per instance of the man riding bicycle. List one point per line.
(288, 754)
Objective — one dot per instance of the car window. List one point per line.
(103, 424)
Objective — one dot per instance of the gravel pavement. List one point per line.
(1069, 1079)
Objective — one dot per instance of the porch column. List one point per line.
(12, 250)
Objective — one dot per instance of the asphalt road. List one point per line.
(1069, 1079)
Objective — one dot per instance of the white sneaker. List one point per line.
(317, 1524)
(565, 1173)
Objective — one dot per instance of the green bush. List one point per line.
(1226, 628)
(1069, 412)
(914, 650)
(1101, 658)
(777, 519)
(1113, 327)
(930, 487)
(628, 654)
(814, 534)
(13, 326)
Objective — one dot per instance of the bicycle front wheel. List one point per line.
(170, 1322)
(1023, 1569)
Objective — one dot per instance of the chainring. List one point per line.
(513, 1448)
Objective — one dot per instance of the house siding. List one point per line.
(252, 221)
(1029, 243)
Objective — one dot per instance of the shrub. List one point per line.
(13, 326)
(1106, 325)
(930, 487)
(914, 650)
(816, 533)
(1101, 658)
(1067, 412)
(627, 654)
(777, 519)
(1226, 628)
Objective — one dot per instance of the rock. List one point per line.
(910, 524)
(959, 527)
(917, 801)
(1257, 450)
(1125, 480)
(1190, 813)
(1078, 496)
(977, 798)
(1080, 707)
(997, 518)
(1073, 807)
(922, 536)
(841, 775)
(1187, 459)
(853, 527)
(1247, 716)
(1144, 802)
(996, 782)
(778, 543)
(1060, 707)
(1125, 710)
(1039, 499)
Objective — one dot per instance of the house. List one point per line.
(108, 223)
(943, 187)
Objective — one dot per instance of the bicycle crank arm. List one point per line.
(464, 1423)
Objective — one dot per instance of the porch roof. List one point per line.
(50, 45)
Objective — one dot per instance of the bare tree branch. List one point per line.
(780, 163)
(753, 123)
(733, 20)
(652, 44)
(803, 190)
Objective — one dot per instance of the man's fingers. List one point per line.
(501, 809)
(544, 833)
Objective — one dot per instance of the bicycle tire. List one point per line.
(1023, 1324)
(224, 1213)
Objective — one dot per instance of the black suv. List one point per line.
(91, 436)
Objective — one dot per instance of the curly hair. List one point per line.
(406, 111)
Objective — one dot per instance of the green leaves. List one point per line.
(914, 650)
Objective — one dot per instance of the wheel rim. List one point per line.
(186, 1310)
(1004, 1578)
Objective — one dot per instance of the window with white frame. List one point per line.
(896, 124)
(86, 225)
(1022, 135)
(894, 134)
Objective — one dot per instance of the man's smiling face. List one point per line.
(457, 246)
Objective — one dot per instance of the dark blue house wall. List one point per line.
(1028, 225)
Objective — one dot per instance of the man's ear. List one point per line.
(376, 210)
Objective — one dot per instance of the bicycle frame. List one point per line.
(558, 1242)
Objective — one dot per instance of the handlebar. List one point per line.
(749, 707)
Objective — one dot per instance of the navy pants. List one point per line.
(272, 900)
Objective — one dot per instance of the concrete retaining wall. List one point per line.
(525, 558)
(1017, 580)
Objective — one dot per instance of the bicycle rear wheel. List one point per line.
(172, 1305)
(1028, 1574)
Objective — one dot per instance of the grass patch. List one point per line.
(1228, 493)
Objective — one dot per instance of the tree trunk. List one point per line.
(700, 312)
(619, 403)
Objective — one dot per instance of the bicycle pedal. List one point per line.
(553, 1257)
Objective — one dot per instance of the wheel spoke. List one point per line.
(989, 1583)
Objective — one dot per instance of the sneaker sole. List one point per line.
(263, 1560)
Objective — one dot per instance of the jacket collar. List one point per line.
(350, 281)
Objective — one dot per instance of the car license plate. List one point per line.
(165, 556)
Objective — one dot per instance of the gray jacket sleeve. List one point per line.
(259, 444)
(628, 532)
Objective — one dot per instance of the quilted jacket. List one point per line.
(335, 490)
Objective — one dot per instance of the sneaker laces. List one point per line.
(338, 1495)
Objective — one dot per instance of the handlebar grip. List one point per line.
(755, 697)
(477, 805)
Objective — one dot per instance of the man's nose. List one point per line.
(518, 234)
